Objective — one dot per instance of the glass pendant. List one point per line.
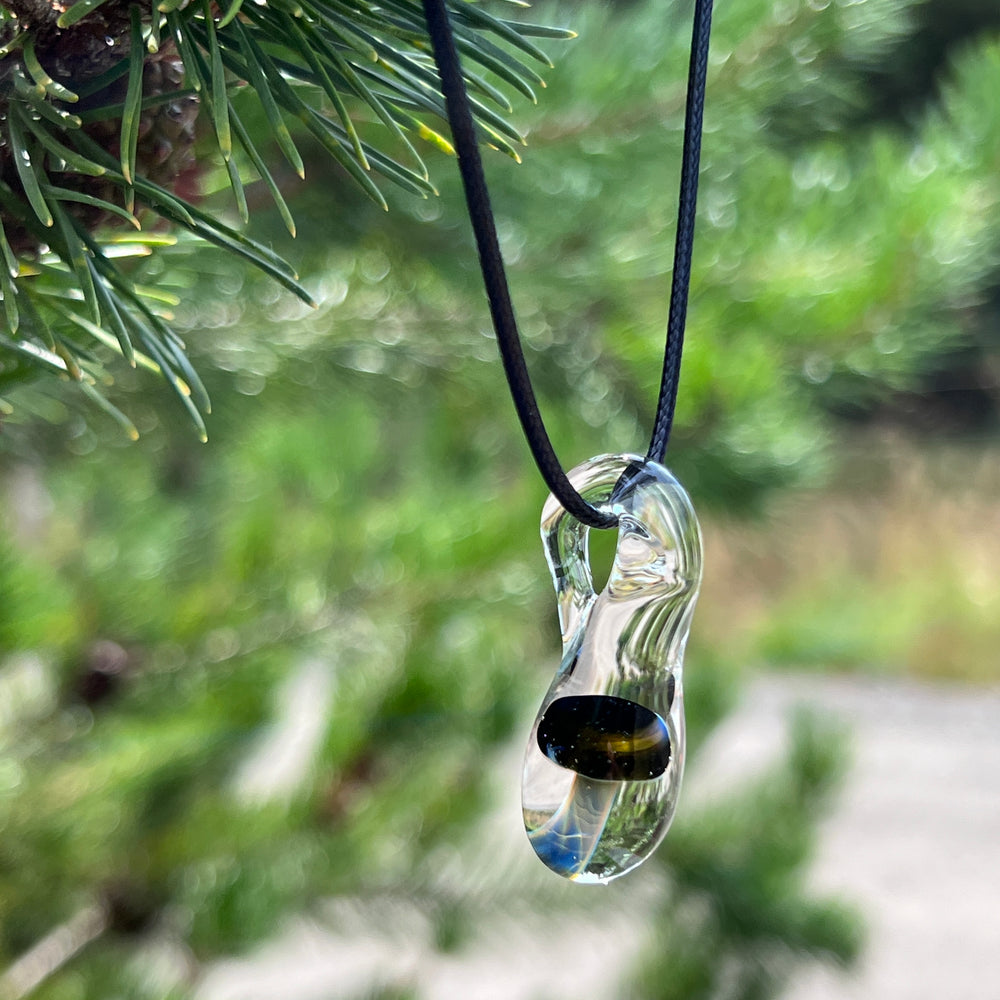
(605, 758)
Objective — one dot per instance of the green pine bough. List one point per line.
(107, 106)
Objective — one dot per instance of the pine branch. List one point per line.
(101, 107)
(57, 948)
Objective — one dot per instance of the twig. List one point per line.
(53, 952)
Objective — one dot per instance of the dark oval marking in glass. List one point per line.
(605, 738)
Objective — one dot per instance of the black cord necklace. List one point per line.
(605, 759)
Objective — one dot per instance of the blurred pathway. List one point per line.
(913, 841)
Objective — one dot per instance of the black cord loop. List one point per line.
(491, 260)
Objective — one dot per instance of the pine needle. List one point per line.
(111, 312)
(259, 82)
(132, 111)
(28, 171)
(9, 291)
(65, 194)
(74, 255)
(306, 49)
(9, 257)
(261, 167)
(41, 76)
(79, 163)
(219, 109)
(77, 12)
(103, 403)
(234, 9)
(40, 103)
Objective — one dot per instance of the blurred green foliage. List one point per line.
(835, 266)
(365, 505)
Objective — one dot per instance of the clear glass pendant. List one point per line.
(604, 762)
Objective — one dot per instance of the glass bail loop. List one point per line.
(603, 767)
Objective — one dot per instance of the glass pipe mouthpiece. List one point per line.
(604, 763)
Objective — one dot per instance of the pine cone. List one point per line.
(86, 49)
(167, 131)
